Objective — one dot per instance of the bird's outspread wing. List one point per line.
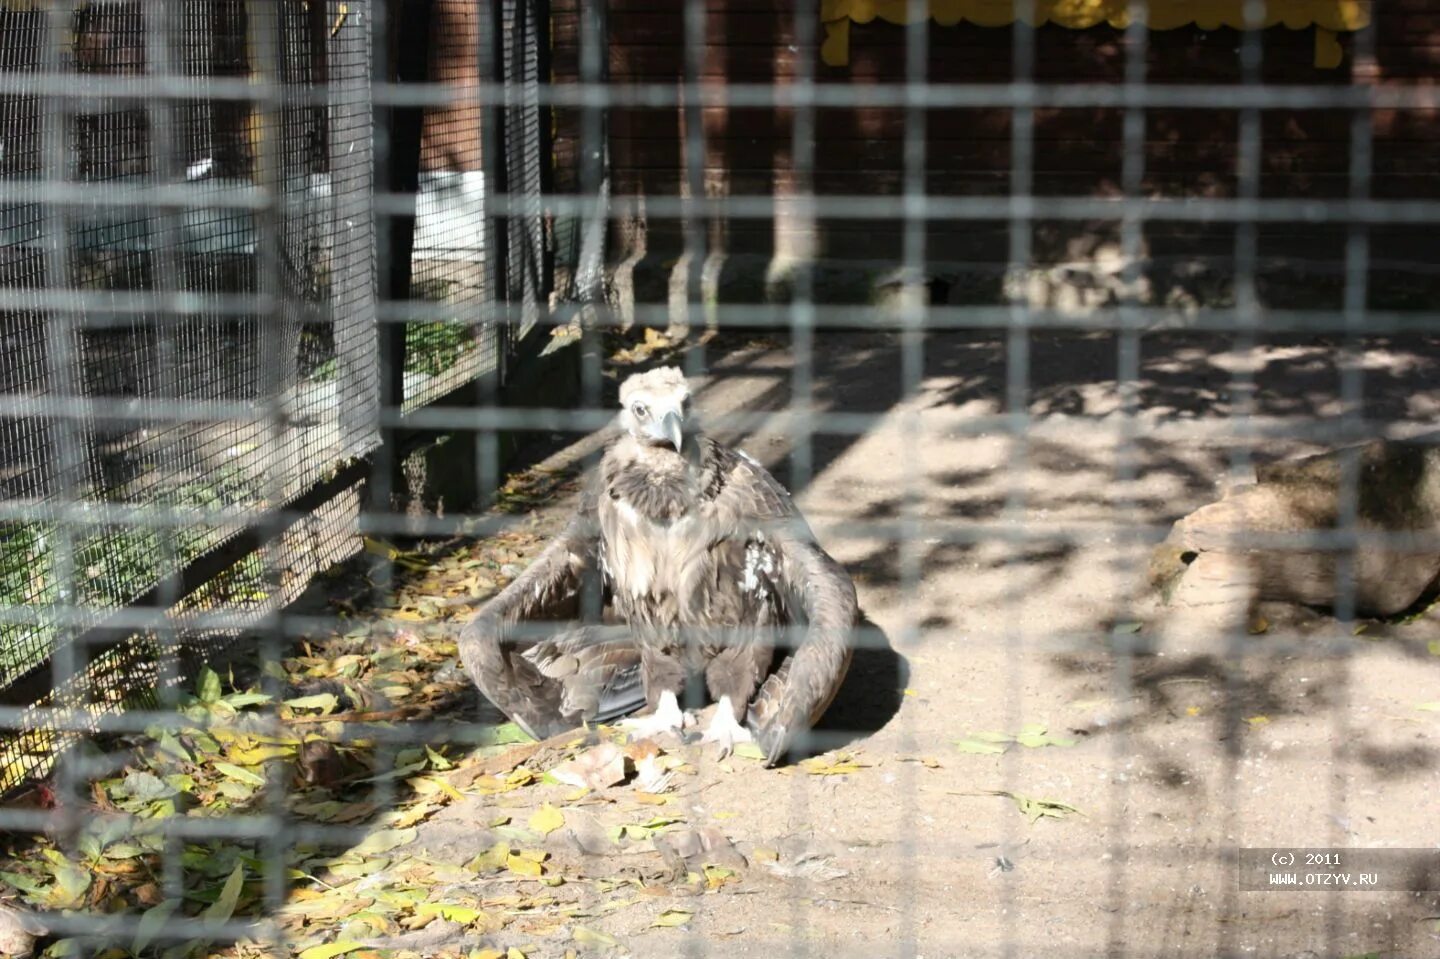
(818, 588)
(548, 680)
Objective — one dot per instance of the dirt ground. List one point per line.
(1005, 610)
(1028, 757)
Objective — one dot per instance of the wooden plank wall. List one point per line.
(451, 138)
(1077, 152)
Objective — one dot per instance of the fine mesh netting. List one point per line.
(180, 355)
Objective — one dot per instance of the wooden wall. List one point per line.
(1077, 152)
(451, 139)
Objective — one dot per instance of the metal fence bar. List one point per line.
(284, 359)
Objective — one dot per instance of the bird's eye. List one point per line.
(640, 411)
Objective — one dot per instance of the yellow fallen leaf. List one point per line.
(592, 937)
(258, 754)
(461, 914)
(717, 876)
(672, 917)
(412, 815)
(1192, 710)
(384, 840)
(242, 775)
(523, 866)
(842, 765)
(1257, 720)
(379, 548)
(330, 949)
(749, 751)
(546, 820)
(428, 785)
(908, 691)
(513, 953)
(765, 855)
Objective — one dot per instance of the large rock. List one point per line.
(1258, 544)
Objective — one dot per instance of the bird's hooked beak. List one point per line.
(670, 428)
(667, 429)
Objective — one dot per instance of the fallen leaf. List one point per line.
(1129, 627)
(224, 905)
(672, 917)
(350, 812)
(1429, 707)
(151, 922)
(323, 702)
(1257, 720)
(1259, 626)
(240, 775)
(71, 884)
(546, 820)
(1192, 710)
(1037, 809)
(330, 949)
(979, 747)
(840, 766)
(593, 937)
(749, 751)
(384, 840)
(717, 876)
(524, 866)
(207, 686)
(259, 754)
(461, 914)
(1035, 735)
(505, 734)
(491, 859)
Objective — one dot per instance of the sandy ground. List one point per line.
(996, 592)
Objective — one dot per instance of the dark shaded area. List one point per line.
(870, 696)
(1075, 151)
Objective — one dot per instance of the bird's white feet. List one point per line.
(724, 729)
(667, 718)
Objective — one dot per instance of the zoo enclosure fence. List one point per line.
(231, 309)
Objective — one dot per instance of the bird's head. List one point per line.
(655, 408)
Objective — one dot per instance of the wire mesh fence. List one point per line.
(315, 319)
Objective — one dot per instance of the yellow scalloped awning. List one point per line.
(1328, 17)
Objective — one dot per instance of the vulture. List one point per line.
(704, 568)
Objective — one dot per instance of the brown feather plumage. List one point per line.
(706, 561)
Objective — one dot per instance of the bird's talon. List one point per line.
(724, 730)
(667, 718)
